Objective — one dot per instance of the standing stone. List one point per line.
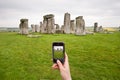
(80, 26)
(23, 26)
(49, 26)
(48, 23)
(37, 28)
(52, 25)
(44, 26)
(95, 27)
(62, 29)
(41, 27)
(100, 29)
(33, 27)
(72, 26)
(67, 23)
(57, 26)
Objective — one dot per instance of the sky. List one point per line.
(105, 12)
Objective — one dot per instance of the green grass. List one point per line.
(91, 57)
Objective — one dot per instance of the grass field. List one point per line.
(91, 57)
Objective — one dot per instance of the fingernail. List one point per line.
(57, 61)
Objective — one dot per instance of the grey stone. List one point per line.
(57, 26)
(23, 26)
(44, 30)
(58, 30)
(80, 26)
(100, 29)
(95, 27)
(33, 27)
(67, 23)
(37, 28)
(48, 23)
(72, 26)
(41, 27)
(49, 26)
(62, 29)
(33, 36)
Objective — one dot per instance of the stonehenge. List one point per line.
(75, 26)
(23, 26)
(80, 26)
(48, 25)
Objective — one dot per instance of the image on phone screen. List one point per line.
(58, 52)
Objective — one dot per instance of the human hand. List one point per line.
(63, 68)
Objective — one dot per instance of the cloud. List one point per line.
(34, 10)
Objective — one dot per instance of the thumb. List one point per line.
(60, 65)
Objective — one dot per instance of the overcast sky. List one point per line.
(105, 12)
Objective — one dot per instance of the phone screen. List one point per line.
(58, 51)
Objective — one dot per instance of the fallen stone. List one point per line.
(33, 36)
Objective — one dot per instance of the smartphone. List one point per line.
(58, 52)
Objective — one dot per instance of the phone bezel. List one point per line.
(58, 44)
